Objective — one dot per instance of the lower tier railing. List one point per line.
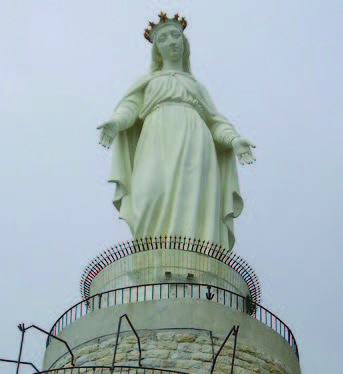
(163, 291)
(108, 370)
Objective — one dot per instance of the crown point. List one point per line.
(183, 22)
(176, 17)
(147, 35)
(163, 16)
(151, 24)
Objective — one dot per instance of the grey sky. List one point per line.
(274, 68)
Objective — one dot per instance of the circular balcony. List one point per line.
(168, 291)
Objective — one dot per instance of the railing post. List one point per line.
(234, 348)
(22, 329)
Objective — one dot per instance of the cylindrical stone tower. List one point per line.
(183, 297)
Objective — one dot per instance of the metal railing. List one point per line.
(213, 250)
(108, 370)
(162, 291)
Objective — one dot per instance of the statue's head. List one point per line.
(169, 42)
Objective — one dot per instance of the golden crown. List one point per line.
(164, 20)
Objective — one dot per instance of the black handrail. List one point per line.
(160, 291)
(213, 250)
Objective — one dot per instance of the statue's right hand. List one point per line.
(109, 130)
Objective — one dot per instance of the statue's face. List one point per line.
(170, 43)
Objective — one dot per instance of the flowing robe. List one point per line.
(173, 174)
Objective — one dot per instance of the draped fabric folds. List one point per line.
(174, 175)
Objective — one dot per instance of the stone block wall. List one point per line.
(187, 350)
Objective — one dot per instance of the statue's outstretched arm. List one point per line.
(124, 116)
(224, 133)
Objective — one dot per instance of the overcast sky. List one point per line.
(274, 68)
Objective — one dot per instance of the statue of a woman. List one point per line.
(173, 154)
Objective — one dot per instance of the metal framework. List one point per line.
(213, 250)
(90, 369)
(121, 368)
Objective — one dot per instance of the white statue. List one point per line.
(173, 154)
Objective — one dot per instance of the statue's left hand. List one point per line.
(242, 148)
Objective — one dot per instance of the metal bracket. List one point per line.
(209, 295)
(117, 340)
(233, 331)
